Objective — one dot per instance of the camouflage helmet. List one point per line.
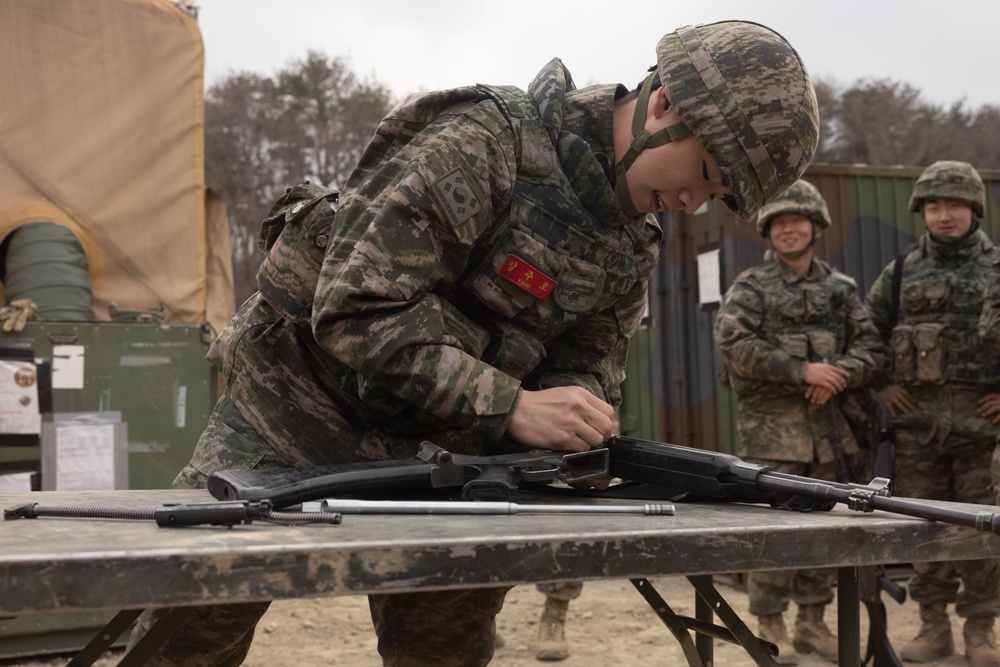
(952, 180)
(743, 91)
(801, 197)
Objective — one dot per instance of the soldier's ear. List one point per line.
(659, 103)
(818, 230)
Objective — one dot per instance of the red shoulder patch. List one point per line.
(527, 277)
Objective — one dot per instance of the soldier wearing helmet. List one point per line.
(939, 385)
(794, 336)
(480, 278)
(949, 179)
(801, 198)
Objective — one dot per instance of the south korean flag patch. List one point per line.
(454, 193)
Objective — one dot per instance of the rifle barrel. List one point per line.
(351, 506)
(867, 499)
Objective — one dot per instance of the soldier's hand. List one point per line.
(989, 406)
(561, 418)
(826, 376)
(818, 395)
(897, 400)
(17, 313)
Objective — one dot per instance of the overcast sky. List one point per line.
(948, 50)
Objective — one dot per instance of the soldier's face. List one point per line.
(947, 220)
(791, 232)
(678, 176)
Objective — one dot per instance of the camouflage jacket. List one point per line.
(945, 345)
(478, 249)
(772, 323)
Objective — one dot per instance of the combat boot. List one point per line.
(552, 644)
(934, 640)
(811, 633)
(771, 627)
(980, 644)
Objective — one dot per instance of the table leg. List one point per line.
(678, 625)
(758, 649)
(703, 612)
(89, 654)
(848, 617)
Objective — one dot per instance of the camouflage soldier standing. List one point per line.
(793, 334)
(483, 275)
(939, 384)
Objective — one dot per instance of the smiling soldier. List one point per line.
(793, 335)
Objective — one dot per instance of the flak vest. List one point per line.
(807, 320)
(949, 317)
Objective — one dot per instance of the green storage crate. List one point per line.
(156, 376)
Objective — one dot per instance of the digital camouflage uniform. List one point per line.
(771, 324)
(479, 248)
(944, 350)
(420, 297)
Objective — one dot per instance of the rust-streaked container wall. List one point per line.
(672, 392)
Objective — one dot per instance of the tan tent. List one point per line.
(102, 132)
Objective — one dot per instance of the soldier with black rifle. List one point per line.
(481, 278)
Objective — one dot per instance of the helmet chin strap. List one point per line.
(796, 253)
(641, 140)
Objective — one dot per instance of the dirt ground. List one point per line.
(609, 624)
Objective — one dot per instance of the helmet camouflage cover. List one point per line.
(952, 180)
(743, 91)
(801, 197)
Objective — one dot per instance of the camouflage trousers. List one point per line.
(956, 469)
(446, 628)
(433, 629)
(770, 591)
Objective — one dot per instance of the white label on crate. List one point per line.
(67, 366)
(19, 398)
(180, 420)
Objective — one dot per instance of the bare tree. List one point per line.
(333, 114)
(311, 121)
(828, 99)
(984, 137)
(884, 122)
(241, 119)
